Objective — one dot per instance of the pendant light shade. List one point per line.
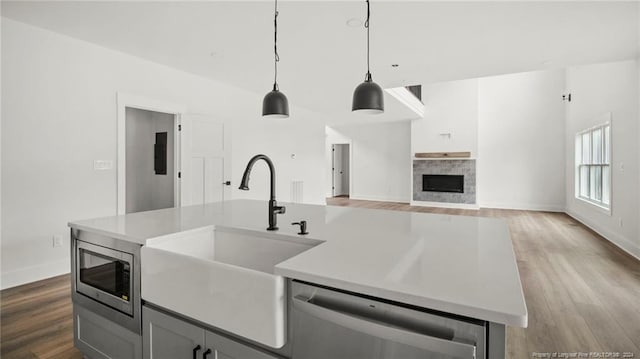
(368, 97)
(275, 103)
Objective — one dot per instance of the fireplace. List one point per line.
(443, 183)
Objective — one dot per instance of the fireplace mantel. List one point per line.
(447, 155)
(443, 159)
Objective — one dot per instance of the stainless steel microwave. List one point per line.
(106, 277)
(104, 274)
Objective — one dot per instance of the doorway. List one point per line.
(151, 160)
(201, 151)
(340, 169)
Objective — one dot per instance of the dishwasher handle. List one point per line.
(394, 334)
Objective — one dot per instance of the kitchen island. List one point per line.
(452, 265)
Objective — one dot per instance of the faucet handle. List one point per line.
(303, 227)
(279, 209)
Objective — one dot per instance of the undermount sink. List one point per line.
(223, 277)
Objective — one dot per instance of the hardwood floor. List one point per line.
(582, 292)
(36, 321)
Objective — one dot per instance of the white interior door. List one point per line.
(205, 161)
(346, 167)
(338, 170)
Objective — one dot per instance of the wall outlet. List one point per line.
(57, 241)
(101, 165)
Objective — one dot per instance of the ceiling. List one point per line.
(323, 59)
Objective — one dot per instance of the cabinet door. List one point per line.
(166, 337)
(100, 338)
(226, 348)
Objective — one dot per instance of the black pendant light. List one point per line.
(368, 96)
(275, 103)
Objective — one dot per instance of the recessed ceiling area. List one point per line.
(323, 57)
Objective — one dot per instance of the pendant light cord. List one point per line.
(366, 25)
(275, 47)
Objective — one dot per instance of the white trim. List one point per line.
(177, 159)
(35, 273)
(407, 98)
(618, 240)
(123, 101)
(444, 205)
(379, 199)
(599, 205)
(525, 207)
(603, 120)
(444, 159)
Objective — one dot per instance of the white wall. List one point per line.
(512, 124)
(1, 156)
(147, 190)
(450, 107)
(598, 89)
(638, 122)
(380, 160)
(296, 147)
(59, 111)
(638, 89)
(521, 141)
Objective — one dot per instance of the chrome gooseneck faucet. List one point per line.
(274, 209)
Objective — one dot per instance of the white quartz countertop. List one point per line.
(455, 264)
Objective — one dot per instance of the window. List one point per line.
(593, 165)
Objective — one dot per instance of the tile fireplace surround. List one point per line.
(466, 167)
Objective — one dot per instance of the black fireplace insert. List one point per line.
(443, 183)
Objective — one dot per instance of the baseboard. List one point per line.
(619, 241)
(379, 199)
(34, 273)
(444, 205)
(524, 207)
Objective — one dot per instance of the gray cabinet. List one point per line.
(99, 338)
(230, 349)
(166, 337)
(169, 337)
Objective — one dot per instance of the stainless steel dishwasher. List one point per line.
(334, 324)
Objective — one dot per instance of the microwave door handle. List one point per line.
(403, 336)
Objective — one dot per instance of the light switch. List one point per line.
(101, 165)
(57, 240)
